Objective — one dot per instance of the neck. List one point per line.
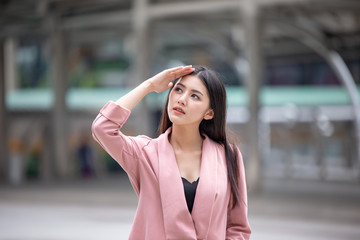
(186, 138)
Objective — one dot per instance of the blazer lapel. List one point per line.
(206, 190)
(177, 219)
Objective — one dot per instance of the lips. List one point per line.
(179, 110)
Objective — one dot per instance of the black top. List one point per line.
(190, 190)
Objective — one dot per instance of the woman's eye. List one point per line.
(178, 89)
(195, 96)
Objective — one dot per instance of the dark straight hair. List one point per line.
(214, 128)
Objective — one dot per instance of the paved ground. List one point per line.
(104, 209)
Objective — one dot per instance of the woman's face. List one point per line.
(189, 102)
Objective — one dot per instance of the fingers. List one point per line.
(175, 68)
(181, 71)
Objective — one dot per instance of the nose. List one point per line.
(182, 100)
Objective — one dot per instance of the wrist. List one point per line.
(148, 86)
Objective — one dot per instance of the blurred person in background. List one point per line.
(190, 180)
(86, 157)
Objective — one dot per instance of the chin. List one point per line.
(175, 121)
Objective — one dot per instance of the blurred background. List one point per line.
(292, 71)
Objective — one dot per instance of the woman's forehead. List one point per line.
(193, 82)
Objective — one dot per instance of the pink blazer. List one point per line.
(162, 211)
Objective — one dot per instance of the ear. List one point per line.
(209, 114)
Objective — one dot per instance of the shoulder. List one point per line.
(148, 142)
(211, 146)
(143, 140)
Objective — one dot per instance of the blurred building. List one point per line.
(292, 69)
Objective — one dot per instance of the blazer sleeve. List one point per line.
(126, 150)
(237, 222)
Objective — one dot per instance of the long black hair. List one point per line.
(214, 128)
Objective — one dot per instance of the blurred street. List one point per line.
(104, 209)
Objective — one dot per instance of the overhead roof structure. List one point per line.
(337, 20)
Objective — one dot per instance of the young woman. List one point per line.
(190, 180)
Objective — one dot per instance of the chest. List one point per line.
(189, 164)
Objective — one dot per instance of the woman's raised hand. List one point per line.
(158, 83)
(164, 80)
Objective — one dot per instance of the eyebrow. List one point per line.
(193, 90)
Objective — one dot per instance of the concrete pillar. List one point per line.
(10, 64)
(140, 21)
(140, 28)
(59, 111)
(250, 13)
(15, 156)
(4, 164)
